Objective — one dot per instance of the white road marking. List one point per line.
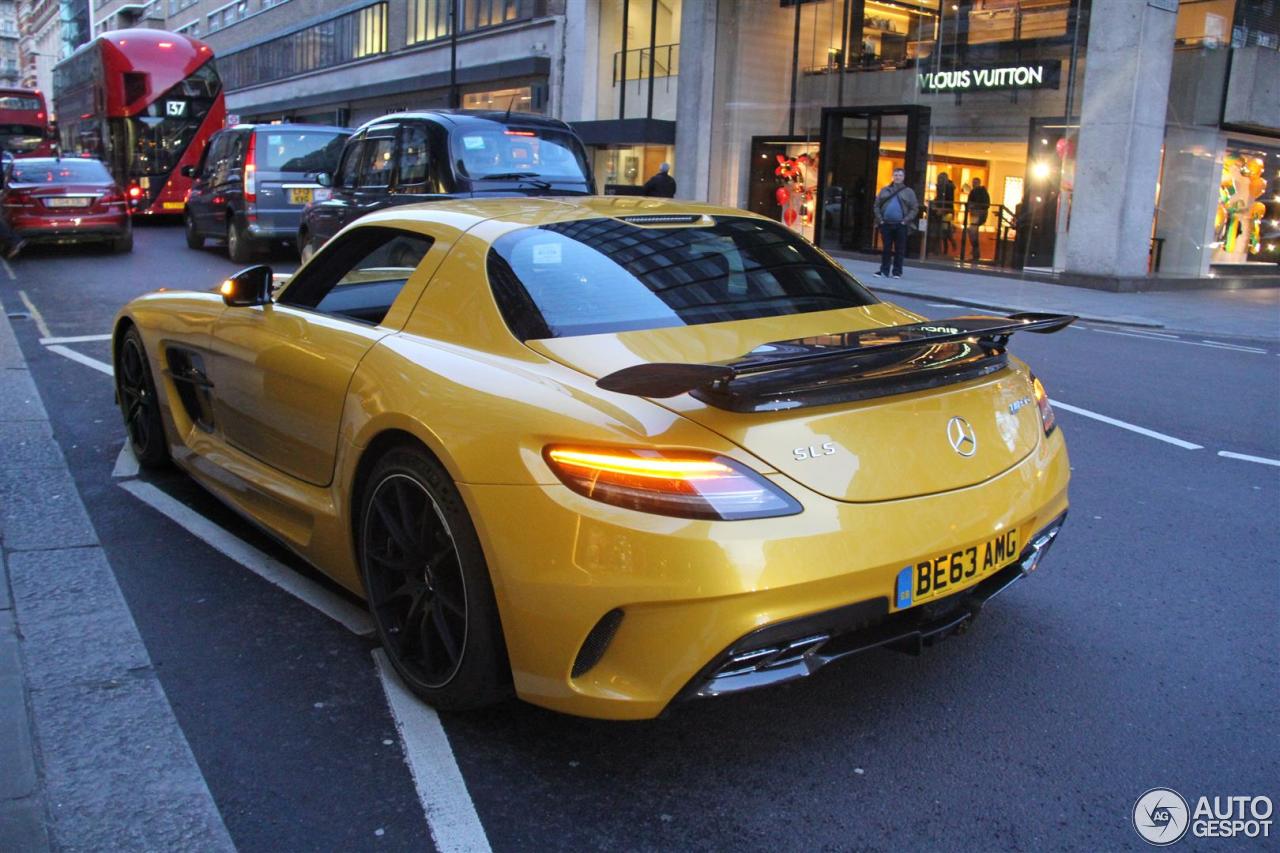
(1261, 460)
(75, 339)
(942, 305)
(1221, 345)
(126, 462)
(35, 314)
(351, 617)
(451, 816)
(101, 366)
(1174, 339)
(8, 269)
(1149, 433)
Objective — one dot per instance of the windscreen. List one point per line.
(299, 151)
(68, 171)
(500, 153)
(20, 138)
(607, 275)
(147, 147)
(20, 102)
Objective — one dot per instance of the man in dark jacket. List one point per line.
(979, 204)
(661, 184)
(896, 208)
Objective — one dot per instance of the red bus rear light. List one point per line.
(679, 483)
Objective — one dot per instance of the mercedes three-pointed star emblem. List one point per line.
(962, 437)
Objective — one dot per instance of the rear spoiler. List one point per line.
(990, 334)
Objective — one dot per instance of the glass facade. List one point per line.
(819, 101)
(639, 59)
(346, 38)
(428, 20)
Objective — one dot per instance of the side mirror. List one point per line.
(188, 171)
(324, 179)
(250, 286)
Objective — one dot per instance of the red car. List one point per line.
(66, 200)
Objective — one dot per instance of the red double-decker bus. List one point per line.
(24, 123)
(145, 102)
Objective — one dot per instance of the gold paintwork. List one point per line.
(302, 400)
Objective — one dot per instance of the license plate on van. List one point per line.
(300, 196)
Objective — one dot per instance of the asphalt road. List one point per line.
(1142, 654)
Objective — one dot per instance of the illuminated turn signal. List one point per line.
(678, 483)
(1047, 418)
(228, 287)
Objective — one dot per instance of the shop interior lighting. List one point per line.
(1040, 170)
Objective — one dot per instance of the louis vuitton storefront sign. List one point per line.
(1037, 75)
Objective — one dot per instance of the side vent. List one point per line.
(598, 640)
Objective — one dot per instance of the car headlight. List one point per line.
(686, 484)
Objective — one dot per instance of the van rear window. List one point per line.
(608, 275)
(299, 151)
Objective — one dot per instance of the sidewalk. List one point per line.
(91, 755)
(1253, 313)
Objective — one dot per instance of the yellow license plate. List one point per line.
(299, 196)
(944, 574)
(172, 205)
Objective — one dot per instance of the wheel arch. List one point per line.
(382, 441)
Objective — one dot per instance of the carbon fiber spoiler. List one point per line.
(988, 333)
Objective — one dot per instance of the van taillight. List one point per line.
(250, 184)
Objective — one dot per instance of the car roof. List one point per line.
(324, 127)
(510, 214)
(462, 118)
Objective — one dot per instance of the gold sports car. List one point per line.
(609, 453)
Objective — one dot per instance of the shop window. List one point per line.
(1247, 221)
(1017, 20)
(1204, 23)
(519, 100)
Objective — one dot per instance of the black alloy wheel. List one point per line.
(194, 240)
(138, 402)
(428, 586)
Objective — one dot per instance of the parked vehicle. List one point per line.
(253, 182)
(424, 156)
(24, 123)
(145, 102)
(68, 200)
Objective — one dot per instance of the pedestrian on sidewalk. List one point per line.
(979, 205)
(661, 184)
(944, 208)
(896, 208)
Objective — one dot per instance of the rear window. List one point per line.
(17, 138)
(608, 275)
(500, 153)
(299, 150)
(68, 171)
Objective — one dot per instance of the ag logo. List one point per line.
(1161, 816)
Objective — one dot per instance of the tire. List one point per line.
(194, 240)
(139, 403)
(123, 243)
(428, 587)
(239, 246)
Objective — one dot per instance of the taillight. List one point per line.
(1047, 419)
(113, 198)
(135, 194)
(250, 184)
(17, 199)
(679, 483)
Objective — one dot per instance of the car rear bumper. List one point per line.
(68, 230)
(789, 650)
(613, 613)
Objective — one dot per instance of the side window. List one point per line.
(376, 162)
(414, 161)
(347, 170)
(363, 274)
(213, 155)
(442, 173)
(239, 144)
